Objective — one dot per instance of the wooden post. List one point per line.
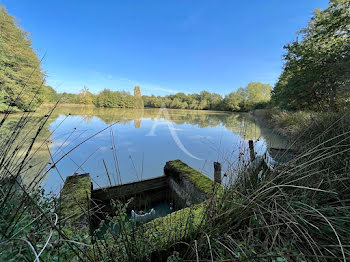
(251, 150)
(217, 172)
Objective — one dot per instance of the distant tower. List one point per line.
(137, 92)
(138, 98)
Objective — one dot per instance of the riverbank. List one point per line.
(288, 124)
(304, 129)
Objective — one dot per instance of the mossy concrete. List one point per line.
(75, 198)
(196, 186)
(165, 231)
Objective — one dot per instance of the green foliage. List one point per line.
(244, 99)
(48, 94)
(202, 101)
(68, 98)
(293, 210)
(29, 219)
(19, 66)
(293, 123)
(257, 93)
(316, 73)
(85, 96)
(234, 100)
(118, 99)
(287, 123)
(138, 104)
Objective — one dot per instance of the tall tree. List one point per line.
(232, 101)
(316, 73)
(48, 94)
(19, 67)
(85, 96)
(256, 93)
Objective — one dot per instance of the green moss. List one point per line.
(178, 226)
(75, 195)
(201, 181)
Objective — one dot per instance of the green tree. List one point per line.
(176, 103)
(232, 101)
(205, 100)
(256, 93)
(216, 101)
(19, 67)
(108, 98)
(316, 73)
(48, 94)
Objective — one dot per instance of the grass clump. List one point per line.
(291, 123)
(288, 123)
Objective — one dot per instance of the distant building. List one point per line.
(137, 92)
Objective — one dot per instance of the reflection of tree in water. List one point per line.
(39, 155)
(239, 123)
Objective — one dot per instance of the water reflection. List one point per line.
(240, 123)
(212, 136)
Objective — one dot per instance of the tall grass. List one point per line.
(296, 212)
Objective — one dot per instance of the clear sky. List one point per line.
(163, 46)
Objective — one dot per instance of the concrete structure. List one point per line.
(74, 204)
(181, 185)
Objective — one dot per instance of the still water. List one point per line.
(136, 144)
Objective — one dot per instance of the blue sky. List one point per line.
(163, 46)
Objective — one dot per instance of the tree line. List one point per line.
(105, 98)
(254, 95)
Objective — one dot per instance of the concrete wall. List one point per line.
(187, 184)
(185, 192)
(74, 200)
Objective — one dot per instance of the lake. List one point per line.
(136, 144)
